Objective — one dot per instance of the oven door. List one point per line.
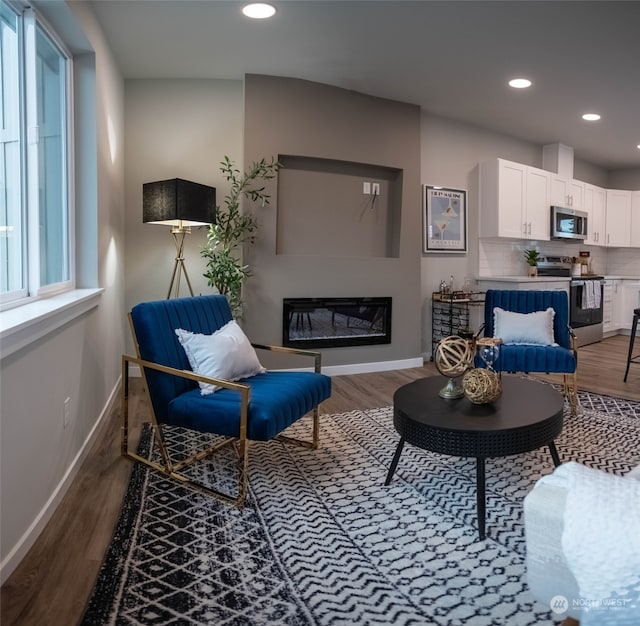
(581, 309)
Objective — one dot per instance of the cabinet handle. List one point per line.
(524, 228)
(529, 227)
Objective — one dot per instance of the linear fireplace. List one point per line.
(335, 322)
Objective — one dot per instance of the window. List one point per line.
(35, 205)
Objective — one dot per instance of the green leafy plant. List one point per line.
(233, 228)
(532, 257)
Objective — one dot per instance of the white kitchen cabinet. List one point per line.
(514, 200)
(594, 205)
(502, 202)
(607, 306)
(566, 192)
(537, 204)
(618, 218)
(617, 316)
(635, 219)
(630, 301)
(613, 305)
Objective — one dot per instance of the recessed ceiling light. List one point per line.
(591, 117)
(520, 83)
(259, 10)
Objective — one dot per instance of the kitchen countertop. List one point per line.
(550, 279)
(526, 279)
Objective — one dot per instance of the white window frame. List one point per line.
(31, 20)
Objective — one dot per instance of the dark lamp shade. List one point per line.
(178, 202)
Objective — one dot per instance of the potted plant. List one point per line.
(233, 228)
(532, 257)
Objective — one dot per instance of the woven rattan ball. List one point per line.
(481, 386)
(453, 356)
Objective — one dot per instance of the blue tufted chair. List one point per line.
(562, 358)
(259, 407)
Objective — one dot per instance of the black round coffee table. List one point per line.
(528, 415)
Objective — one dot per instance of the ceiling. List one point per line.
(452, 58)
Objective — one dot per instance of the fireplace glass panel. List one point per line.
(335, 322)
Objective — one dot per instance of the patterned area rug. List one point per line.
(322, 541)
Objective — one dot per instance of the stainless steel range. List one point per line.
(586, 295)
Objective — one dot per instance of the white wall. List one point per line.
(175, 129)
(81, 360)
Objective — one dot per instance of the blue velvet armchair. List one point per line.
(259, 407)
(523, 357)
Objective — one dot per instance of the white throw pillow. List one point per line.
(524, 328)
(225, 354)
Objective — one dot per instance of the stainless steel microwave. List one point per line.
(568, 223)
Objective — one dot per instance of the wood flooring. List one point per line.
(51, 585)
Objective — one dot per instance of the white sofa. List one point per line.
(582, 529)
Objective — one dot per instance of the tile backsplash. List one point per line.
(623, 262)
(505, 257)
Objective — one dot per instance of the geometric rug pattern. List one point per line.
(323, 542)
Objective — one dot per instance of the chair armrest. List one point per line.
(244, 390)
(574, 339)
(311, 353)
(218, 382)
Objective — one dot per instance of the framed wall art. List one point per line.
(444, 220)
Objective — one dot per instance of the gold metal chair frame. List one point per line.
(569, 381)
(570, 390)
(171, 468)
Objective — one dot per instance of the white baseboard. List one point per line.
(366, 368)
(19, 551)
(340, 370)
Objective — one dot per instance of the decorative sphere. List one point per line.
(453, 356)
(481, 386)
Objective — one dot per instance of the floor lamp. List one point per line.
(180, 204)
